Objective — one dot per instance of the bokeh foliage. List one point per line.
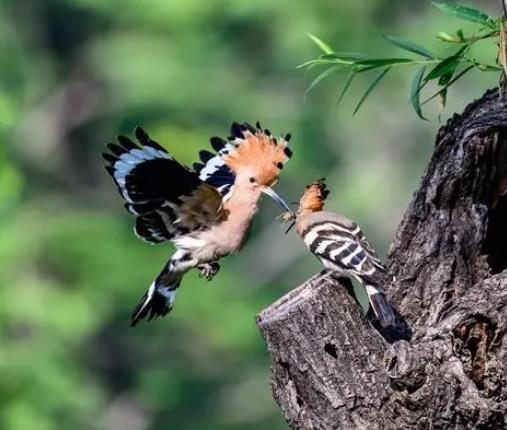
(76, 72)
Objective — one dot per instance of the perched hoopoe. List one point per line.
(205, 212)
(341, 247)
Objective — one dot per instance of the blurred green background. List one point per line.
(73, 74)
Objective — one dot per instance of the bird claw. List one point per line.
(209, 270)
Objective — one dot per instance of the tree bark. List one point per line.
(446, 367)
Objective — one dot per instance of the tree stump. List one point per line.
(331, 369)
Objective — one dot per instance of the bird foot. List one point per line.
(208, 270)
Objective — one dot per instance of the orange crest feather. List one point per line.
(261, 154)
(314, 196)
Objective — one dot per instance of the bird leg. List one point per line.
(208, 270)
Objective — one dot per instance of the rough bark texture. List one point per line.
(333, 370)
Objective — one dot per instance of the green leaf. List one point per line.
(379, 62)
(345, 87)
(324, 47)
(320, 78)
(409, 46)
(371, 88)
(447, 65)
(446, 77)
(314, 63)
(442, 68)
(363, 69)
(449, 83)
(465, 13)
(415, 91)
(346, 55)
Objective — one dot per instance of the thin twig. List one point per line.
(472, 38)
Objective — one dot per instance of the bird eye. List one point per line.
(252, 179)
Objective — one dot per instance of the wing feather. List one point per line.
(168, 199)
(344, 246)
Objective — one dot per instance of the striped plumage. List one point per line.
(342, 248)
(205, 212)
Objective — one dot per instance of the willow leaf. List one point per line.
(372, 86)
(466, 13)
(415, 92)
(459, 75)
(323, 46)
(410, 46)
(447, 65)
(345, 87)
(379, 62)
(320, 78)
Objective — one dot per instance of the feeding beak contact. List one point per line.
(269, 191)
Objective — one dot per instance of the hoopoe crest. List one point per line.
(314, 196)
(260, 154)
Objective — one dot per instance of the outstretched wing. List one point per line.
(168, 199)
(343, 246)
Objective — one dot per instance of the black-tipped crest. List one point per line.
(236, 130)
(321, 184)
(248, 127)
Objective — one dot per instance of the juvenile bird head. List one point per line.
(258, 159)
(312, 201)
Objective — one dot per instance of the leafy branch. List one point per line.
(444, 71)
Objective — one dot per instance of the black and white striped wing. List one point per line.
(163, 194)
(212, 168)
(343, 248)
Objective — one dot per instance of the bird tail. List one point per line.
(380, 306)
(157, 302)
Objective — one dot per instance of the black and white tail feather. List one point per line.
(380, 305)
(157, 302)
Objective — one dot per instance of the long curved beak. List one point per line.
(269, 191)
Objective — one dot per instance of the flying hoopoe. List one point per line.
(205, 212)
(341, 247)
